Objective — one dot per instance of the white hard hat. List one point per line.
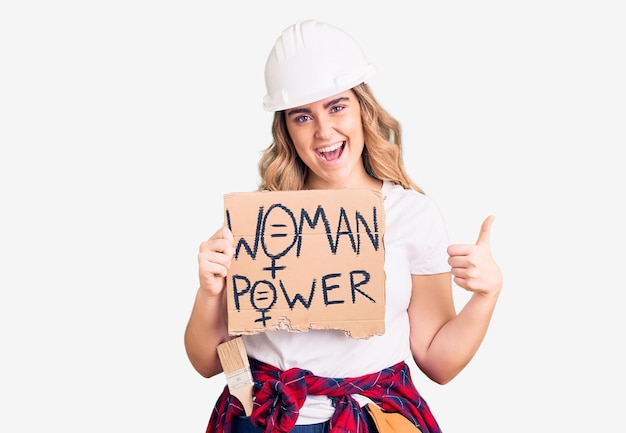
(310, 61)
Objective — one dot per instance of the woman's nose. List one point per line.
(324, 128)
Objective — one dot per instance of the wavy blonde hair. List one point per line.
(281, 169)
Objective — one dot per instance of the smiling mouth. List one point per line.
(332, 152)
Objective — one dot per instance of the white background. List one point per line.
(123, 123)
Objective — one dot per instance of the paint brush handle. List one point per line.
(244, 395)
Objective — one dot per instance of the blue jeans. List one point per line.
(243, 425)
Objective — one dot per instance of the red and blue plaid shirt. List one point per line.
(279, 395)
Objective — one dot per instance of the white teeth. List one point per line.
(330, 148)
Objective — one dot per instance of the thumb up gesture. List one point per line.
(473, 266)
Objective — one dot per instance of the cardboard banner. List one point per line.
(310, 259)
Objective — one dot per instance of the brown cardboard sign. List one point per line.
(310, 259)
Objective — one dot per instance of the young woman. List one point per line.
(329, 132)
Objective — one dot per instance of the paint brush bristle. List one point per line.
(236, 366)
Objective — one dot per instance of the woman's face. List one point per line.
(328, 137)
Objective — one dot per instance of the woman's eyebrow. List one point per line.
(298, 111)
(326, 105)
(336, 101)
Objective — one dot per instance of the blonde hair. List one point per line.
(281, 169)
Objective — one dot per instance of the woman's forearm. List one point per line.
(206, 329)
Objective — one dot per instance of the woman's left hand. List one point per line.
(473, 266)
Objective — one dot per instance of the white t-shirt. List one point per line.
(415, 242)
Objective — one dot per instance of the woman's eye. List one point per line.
(303, 118)
(336, 108)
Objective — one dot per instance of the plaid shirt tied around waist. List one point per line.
(279, 395)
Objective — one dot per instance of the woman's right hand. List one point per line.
(214, 261)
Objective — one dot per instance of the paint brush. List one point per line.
(236, 366)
